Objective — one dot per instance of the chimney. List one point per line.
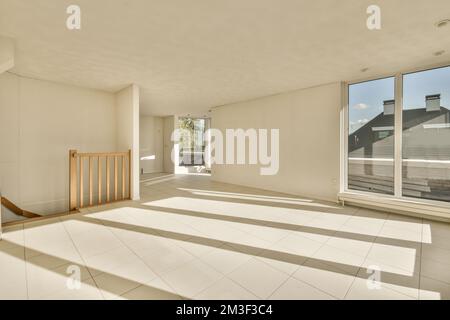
(388, 107)
(433, 102)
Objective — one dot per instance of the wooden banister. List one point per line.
(103, 154)
(77, 181)
(16, 210)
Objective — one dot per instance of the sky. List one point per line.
(366, 98)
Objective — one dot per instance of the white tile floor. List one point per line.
(191, 238)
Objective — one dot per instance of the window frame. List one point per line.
(398, 135)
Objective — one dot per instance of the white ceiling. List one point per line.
(190, 55)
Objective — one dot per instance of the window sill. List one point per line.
(427, 209)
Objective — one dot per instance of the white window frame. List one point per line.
(398, 203)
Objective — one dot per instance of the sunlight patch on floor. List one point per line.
(183, 244)
(254, 197)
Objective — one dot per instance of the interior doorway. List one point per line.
(193, 145)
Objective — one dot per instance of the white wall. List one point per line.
(6, 54)
(39, 122)
(6, 63)
(309, 141)
(151, 144)
(127, 109)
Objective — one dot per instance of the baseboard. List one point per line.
(413, 208)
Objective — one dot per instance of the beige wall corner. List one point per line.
(6, 54)
(127, 115)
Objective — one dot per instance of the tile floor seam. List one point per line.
(154, 271)
(249, 290)
(193, 237)
(309, 258)
(297, 268)
(420, 264)
(84, 262)
(97, 253)
(312, 255)
(402, 268)
(215, 268)
(228, 243)
(276, 289)
(437, 246)
(389, 289)
(368, 252)
(133, 288)
(433, 259)
(268, 265)
(436, 278)
(306, 283)
(246, 289)
(181, 266)
(26, 262)
(128, 291)
(210, 286)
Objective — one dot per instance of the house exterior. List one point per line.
(426, 166)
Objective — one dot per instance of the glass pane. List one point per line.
(426, 134)
(191, 144)
(371, 136)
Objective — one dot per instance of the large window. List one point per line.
(400, 149)
(192, 143)
(426, 134)
(371, 136)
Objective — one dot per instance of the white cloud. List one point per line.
(360, 106)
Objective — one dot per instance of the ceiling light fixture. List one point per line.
(364, 69)
(439, 53)
(443, 23)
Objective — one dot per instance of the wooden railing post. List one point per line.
(108, 179)
(129, 174)
(115, 177)
(72, 180)
(99, 183)
(123, 176)
(91, 160)
(81, 182)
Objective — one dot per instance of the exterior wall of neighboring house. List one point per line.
(425, 149)
(430, 142)
(426, 137)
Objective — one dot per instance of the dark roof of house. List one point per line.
(411, 118)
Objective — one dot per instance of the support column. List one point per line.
(127, 113)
